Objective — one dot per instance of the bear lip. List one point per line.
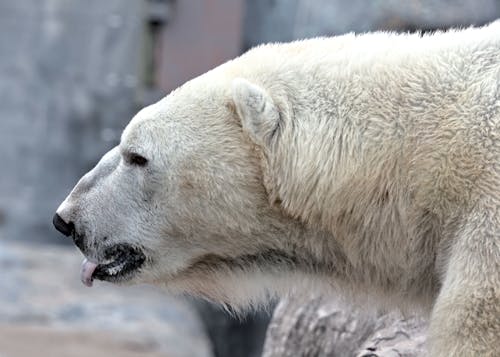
(122, 262)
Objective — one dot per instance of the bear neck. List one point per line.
(345, 165)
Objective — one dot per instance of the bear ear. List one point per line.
(258, 113)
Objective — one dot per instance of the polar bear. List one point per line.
(360, 163)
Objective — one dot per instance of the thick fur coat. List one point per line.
(366, 164)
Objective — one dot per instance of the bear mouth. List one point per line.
(121, 263)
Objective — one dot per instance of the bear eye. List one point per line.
(136, 159)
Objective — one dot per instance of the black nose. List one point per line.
(63, 227)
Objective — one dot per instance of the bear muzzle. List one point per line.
(68, 229)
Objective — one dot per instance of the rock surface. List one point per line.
(326, 328)
(44, 307)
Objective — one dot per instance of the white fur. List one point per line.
(366, 164)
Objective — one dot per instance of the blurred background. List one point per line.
(72, 74)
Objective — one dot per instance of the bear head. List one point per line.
(184, 200)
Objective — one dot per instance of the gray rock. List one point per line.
(327, 328)
(395, 336)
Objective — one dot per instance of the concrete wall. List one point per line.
(285, 20)
(200, 35)
(68, 73)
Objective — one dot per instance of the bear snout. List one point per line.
(68, 229)
(63, 227)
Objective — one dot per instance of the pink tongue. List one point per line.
(88, 269)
